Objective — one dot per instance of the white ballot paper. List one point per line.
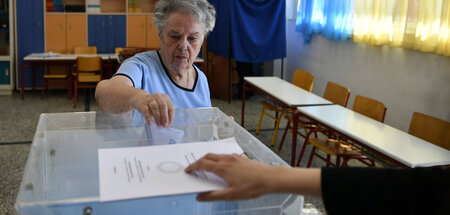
(137, 172)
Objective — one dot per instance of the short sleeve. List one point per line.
(133, 70)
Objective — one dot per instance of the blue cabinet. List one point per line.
(30, 35)
(106, 32)
(5, 74)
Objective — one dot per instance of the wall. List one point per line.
(404, 80)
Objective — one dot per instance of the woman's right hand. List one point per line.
(159, 106)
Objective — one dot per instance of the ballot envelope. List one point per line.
(62, 172)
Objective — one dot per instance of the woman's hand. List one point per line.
(158, 106)
(246, 178)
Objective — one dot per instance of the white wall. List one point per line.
(404, 80)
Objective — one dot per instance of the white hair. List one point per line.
(202, 10)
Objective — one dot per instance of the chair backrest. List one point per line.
(128, 52)
(303, 79)
(85, 50)
(336, 93)
(89, 64)
(118, 50)
(369, 107)
(431, 129)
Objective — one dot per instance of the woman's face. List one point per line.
(181, 41)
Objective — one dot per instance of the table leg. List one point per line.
(69, 84)
(244, 88)
(33, 78)
(294, 136)
(22, 88)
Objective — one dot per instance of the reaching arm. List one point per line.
(117, 95)
(343, 190)
(249, 179)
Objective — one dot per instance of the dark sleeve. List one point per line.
(386, 191)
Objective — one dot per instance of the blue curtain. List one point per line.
(219, 38)
(258, 30)
(332, 19)
(251, 31)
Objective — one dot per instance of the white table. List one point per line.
(383, 139)
(49, 57)
(34, 59)
(284, 93)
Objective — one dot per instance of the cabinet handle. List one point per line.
(103, 24)
(39, 23)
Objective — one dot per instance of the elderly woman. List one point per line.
(157, 82)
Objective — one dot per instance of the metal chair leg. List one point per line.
(288, 126)
(276, 129)
(311, 157)
(260, 120)
(43, 86)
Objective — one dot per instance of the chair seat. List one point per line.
(55, 76)
(302, 122)
(88, 78)
(83, 73)
(333, 147)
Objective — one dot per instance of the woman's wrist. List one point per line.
(283, 179)
(136, 100)
(276, 178)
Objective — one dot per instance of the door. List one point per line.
(137, 30)
(55, 33)
(152, 33)
(76, 31)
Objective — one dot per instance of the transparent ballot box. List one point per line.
(62, 176)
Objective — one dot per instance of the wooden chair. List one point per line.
(85, 50)
(301, 79)
(128, 52)
(88, 74)
(118, 50)
(431, 129)
(333, 92)
(339, 148)
(47, 76)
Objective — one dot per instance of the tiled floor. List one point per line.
(19, 119)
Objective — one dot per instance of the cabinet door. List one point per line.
(55, 33)
(4, 72)
(137, 31)
(152, 34)
(30, 35)
(97, 32)
(76, 31)
(116, 35)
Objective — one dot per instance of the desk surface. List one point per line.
(47, 56)
(61, 175)
(394, 143)
(286, 92)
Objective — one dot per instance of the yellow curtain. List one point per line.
(443, 43)
(419, 24)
